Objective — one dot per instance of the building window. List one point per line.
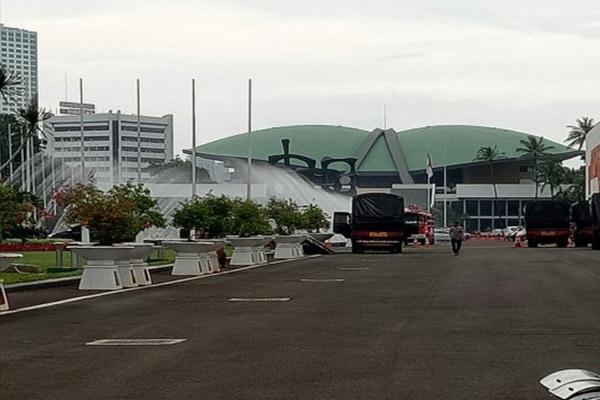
(485, 225)
(472, 208)
(513, 207)
(486, 207)
(500, 208)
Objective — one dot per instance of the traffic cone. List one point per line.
(416, 243)
(3, 298)
(427, 244)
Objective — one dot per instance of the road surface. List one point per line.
(421, 325)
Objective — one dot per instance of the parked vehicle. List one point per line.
(419, 226)
(442, 235)
(581, 223)
(377, 222)
(547, 222)
(595, 220)
(511, 232)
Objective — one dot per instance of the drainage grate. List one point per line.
(259, 299)
(322, 280)
(135, 342)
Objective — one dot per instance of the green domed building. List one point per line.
(389, 161)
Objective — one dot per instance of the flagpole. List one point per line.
(445, 190)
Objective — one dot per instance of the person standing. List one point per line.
(457, 235)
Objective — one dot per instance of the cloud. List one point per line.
(523, 65)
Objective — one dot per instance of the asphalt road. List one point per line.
(422, 325)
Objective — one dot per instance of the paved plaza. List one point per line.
(420, 325)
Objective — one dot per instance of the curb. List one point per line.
(153, 286)
(58, 282)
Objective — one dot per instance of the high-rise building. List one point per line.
(111, 144)
(19, 54)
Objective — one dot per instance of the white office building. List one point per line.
(111, 144)
(19, 54)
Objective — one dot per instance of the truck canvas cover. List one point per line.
(378, 207)
(595, 206)
(580, 214)
(547, 214)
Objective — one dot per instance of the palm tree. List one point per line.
(31, 120)
(578, 133)
(552, 174)
(9, 84)
(488, 155)
(535, 149)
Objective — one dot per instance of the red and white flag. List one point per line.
(429, 169)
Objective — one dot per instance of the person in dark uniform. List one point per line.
(457, 235)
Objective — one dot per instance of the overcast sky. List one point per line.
(528, 65)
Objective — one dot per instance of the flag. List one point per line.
(429, 169)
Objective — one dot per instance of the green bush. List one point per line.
(286, 214)
(314, 218)
(249, 219)
(210, 213)
(112, 217)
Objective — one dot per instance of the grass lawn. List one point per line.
(46, 259)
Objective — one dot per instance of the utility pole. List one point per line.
(249, 184)
(194, 178)
(139, 136)
(83, 180)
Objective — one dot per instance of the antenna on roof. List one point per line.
(384, 115)
(66, 86)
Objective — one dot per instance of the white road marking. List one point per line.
(135, 342)
(322, 280)
(354, 269)
(169, 283)
(259, 299)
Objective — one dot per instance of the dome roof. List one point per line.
(449, 145)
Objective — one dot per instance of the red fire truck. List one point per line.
(419, 225)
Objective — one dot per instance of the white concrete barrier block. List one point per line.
(142, 274)
(100, 277)
(243, 256)
(3, 298)
(187, 265)
(127, 275)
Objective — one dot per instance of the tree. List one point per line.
(16, 213)
(314, 218)
(574, 179)
(488, 155)
(534, 149)
(578, 132)
(10, 209)
(10, 84)
(146, 207)
(31, 120)
(112, 217)
(5, 121)
(210, 213)
(249, 218)
(551, 174)
(286, 214)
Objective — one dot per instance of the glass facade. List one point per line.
(480, 215)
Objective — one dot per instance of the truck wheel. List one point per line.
(356, 249)
(532, 243)
(596, 241)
